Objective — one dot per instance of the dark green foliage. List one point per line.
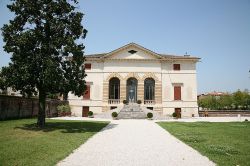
(174, 114)
(125, 102)
(63, 108)
(150, 115)
(114, 114)
(53, 95)
(138, 101)
(3, 86)
(238, 100)
(90, 113)
(47, 55)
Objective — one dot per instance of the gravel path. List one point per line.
(134, 142)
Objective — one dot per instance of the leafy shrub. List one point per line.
(114, 114)
(125, 102)
(90, 113)
(52, 96)
(150, 115)
(174, 114)
(63, 108)
(138, 101)
(246, 120)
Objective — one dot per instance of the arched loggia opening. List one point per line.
(114, 91)
(149, 91)
(132, 90)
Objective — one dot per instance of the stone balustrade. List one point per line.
(114, 101)
(149, 102)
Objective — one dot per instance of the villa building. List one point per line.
(163, 83)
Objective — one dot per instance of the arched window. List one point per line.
(149, 89)
(132, 90)
(114, 88)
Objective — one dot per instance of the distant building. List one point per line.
(214, 93)
(10, 92)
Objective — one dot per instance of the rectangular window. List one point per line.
(87, 66)
(177, 93)
(86, 95)
(177, 66)
(150, 108)
(111, 108)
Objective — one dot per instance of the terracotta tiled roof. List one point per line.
(95, 55)
(178, 56)
(160, 56)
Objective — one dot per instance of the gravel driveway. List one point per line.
(137, 143)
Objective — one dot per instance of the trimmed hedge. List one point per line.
(150, 115)
(114, 114)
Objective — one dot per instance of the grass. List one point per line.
(22, 143)
(224, 143)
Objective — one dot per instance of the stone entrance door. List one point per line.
(132, 90)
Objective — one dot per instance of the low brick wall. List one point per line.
(14, 107)
(225, 113)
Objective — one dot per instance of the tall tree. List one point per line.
(2, 82)
(47, 53)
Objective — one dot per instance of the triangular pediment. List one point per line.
(132, 51)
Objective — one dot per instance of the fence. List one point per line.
(14, 107)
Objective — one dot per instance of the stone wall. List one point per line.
(14, 107)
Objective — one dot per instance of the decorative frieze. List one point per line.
(150, 75)
(114, 74)
(135, 75)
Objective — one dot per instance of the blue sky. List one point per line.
(218, 31)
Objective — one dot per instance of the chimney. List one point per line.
(186, 55)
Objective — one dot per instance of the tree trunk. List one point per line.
(65, 95)
(41, 112)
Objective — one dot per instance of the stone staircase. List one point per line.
(132, 111)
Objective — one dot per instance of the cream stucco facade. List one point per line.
(135, 62)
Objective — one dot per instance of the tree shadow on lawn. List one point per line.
(109, 127)
(66, 127)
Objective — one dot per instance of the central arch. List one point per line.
(132, 90)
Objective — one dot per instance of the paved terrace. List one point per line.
(195, 119)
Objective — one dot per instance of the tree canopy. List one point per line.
(45, 41)
(236, 100)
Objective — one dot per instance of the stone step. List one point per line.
(131, 115)
(131, 111)
(131, 107)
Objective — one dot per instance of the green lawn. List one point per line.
(21, 143)
(224, 143)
